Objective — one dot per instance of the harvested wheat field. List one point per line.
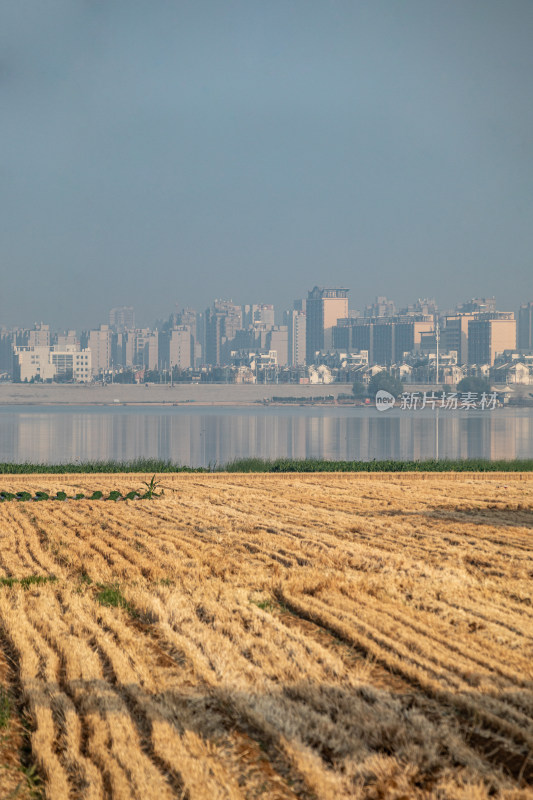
(264, 636)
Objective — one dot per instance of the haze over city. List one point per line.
(266, 399)
(164, 152)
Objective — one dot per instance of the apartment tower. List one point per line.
(525, 327)
(324, 307)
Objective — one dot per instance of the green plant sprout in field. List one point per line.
(151, 489)
(29, 580)
(147, 494)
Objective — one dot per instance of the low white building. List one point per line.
(245, 375)
(513, 372)
(47, 363)
(451, 374)
(321, 374)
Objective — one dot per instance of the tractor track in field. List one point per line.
(292, 637)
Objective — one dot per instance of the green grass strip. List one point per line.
(432, 465)
(278, 465)
(139, 465)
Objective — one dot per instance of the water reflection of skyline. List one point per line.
(218, 435)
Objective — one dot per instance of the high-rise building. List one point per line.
(101, 343)
(454, 335)
(189, 318)
(424, 305)
(180, 347)
(490, 334)
(222, 322)
(122, 318)
(324, 307)
(264, 314)
(381, 308)
(277, 340)
(39, 336)
(258, 312)
(295, 322)
(525, 327)
(66, 339)
(7, 342)
(142, 348)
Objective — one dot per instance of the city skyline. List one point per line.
(362, 306)
(321, 338)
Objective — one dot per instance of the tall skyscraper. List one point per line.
(295, 322)
(222, 321)
(324, 307)
(525, 327)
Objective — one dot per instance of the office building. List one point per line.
(489, 335)
(454, 335)
(386, 340)
(324, 307)
(49, 363)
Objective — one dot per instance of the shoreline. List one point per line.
(209, 395)
(163, 394)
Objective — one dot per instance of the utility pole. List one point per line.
(437, 338)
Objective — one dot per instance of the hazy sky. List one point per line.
(156, 152)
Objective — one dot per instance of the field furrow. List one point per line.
(294, 637)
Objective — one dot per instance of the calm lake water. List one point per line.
(216, 435)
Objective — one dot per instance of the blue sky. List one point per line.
(158, 153)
